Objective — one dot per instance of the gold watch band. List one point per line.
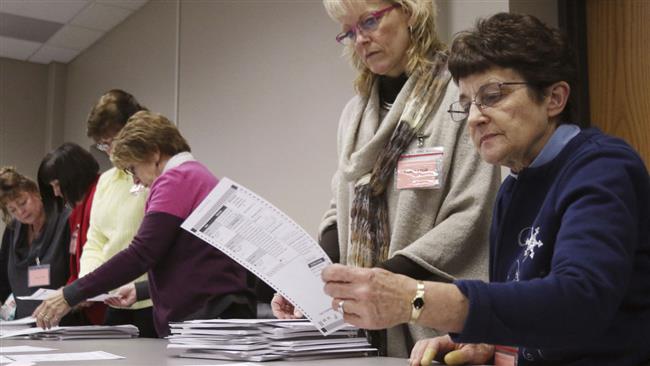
(417, 303)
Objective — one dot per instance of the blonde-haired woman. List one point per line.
(188, 278)
(410, 194)
(34, 251)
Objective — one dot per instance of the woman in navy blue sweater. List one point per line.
(569, 243)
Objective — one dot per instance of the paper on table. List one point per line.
(79, 331)
(43, 293)
(22, 321)
(232, 364)
(268, 243)
(24, 349)
(74, 356)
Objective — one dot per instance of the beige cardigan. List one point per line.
(443, 230)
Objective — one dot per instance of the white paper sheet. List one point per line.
(270, 244)
(43, 293)
(231, 364)
(22, 321)
(74, 356)
(24, 349)
(76, 332)
(4, 359)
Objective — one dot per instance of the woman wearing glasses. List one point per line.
(410, 194)
(117, 208)
(188, 278)
(570, 237)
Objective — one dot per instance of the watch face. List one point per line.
(418, 303)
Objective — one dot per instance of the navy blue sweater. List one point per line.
(569, 260)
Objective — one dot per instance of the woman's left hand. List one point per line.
(49, 313)
(370, 298)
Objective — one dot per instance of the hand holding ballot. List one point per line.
(124, 296)
(283, 308)
(268, 243)
(49, 312)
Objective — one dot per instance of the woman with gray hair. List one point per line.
(570, 237)
(409, 193)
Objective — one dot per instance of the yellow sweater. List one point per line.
(115, 217)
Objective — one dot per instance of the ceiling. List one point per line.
(43, 31)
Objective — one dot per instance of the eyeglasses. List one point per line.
(487, 95)
(365, 25)
(104, 145)
(130, 170)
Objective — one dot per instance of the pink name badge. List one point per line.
(505, 356)
(421, 168)
(38, 276)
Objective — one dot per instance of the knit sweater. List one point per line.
(570, 260)
(186, 274)
(114, 220)
(16, 256)
(444, 230)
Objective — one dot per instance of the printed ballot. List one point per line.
(268, 243)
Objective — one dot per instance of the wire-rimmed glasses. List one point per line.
(488, 95)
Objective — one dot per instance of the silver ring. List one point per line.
(341, 306)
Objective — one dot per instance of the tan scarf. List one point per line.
(369, 227)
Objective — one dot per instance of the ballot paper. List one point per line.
(44, 293)
(74, 356)
(263, 340)
(76, 332)
(7, 326)
(268, 243)
(24, 349)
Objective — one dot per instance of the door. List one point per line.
(618, 51)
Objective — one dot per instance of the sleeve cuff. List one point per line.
(72, 294)
(477, 326)
(403, 265)
(329, 241)
(142, 290)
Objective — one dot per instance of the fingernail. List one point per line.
(427, 357)
(455, 358)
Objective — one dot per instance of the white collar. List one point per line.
(177, 160)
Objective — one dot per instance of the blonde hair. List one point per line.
(145, 134)
(422, 30)
(12, 185)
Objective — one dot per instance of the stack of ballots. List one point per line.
(7, 326)
(76, 332)
(263, 340)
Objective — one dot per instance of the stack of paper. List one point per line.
(7, 326)
(263, 340)
(76, 332)
(44, 293)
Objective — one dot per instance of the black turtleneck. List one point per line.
(389, 87)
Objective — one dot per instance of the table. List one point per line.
(147, 351)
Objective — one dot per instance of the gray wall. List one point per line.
(139, 56)
(23, 96)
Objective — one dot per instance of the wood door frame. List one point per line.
(572, 20)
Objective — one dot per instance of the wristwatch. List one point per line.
(417, 303)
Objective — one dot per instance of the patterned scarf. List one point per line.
(370, 234)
